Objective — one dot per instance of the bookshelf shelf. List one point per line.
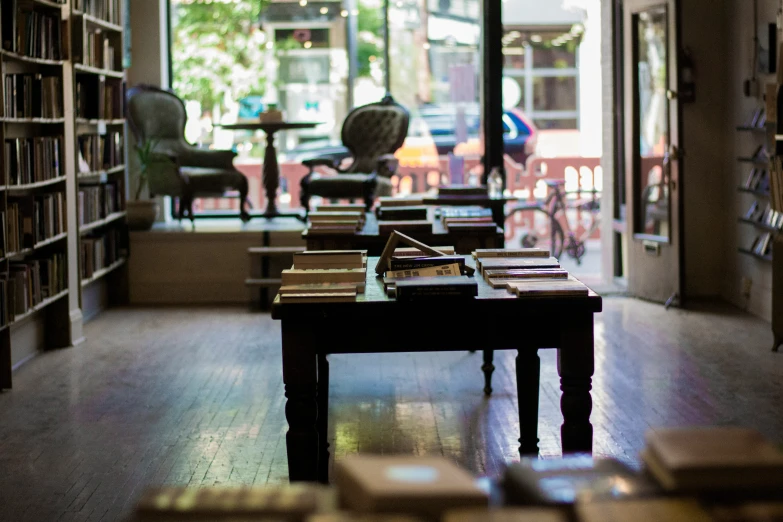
(44, 121)
(98, 22)
(757, 193)
(49, 3)
(754, 161)
(756, 224)
(86, 121)
(99, 175)
(21, 254)
(40, 306)
(86, 69)
(753, 254)
(748, 128)
(29, 59)
(36, 185)
(83, 229)
(103, 271)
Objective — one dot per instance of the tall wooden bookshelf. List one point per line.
(43, 291)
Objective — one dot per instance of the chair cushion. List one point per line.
(213, 182)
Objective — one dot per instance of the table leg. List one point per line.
(323, 418)
(271, 174)
(575, 365)
(301, 408)
(528, 380)
(488, 368)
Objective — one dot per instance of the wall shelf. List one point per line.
(40, 306)
(753, 254)
(87, 227)
(36, 185)
(761, 226)
(86, 69)
(757, 193)
(29, 59)
(103, 271)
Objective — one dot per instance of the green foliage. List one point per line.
(369, 25)
(217, 50)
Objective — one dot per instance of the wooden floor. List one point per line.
(195, 396)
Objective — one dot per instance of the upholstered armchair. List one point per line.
(372, 133)
(159, 116)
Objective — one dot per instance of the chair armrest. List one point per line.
(387, 165)
(163, 175)
(206, 158)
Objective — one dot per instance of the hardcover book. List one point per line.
(451, 269)
(413, 263)
(482, 253)
(415, 252)
(712, 458)
(550, 287)
(516, 262)
(418, 212)
(407, 201)
(296, 276)
(435, 287)
(423, 486)
(418, 225)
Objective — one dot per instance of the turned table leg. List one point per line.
(488, 368)
(528, 379)
(301, 408)
(323, 418)
(575, 365)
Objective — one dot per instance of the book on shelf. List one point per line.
(403, 213)
(708, 459)
(643, 509)
(99, 251)
(562, 482)
(420, 486)
(434, 287)
(285, 502)
(482, 253)
(32, 160)
(549, 287)
(29, 31)
(450, 269)
(761, 244)
(108, 10)
(462, 190)
(412, 226)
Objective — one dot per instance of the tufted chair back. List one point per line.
(372, 130)
(157, 114)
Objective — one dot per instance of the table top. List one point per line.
(268, 126)
(375, 303)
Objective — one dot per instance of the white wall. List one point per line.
(149, 43)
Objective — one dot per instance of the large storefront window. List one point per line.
(315, 59)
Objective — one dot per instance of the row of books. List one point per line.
(98, 252)
(30, 282)
(98, 50)
(758, 180)
(694, 474)
(29, 220)
(98, 98)
(32, 96)
(100, 151)
(764, 215)
(95, 202)
(29, 31)
(762, 244)
(31, 160)
(109, 10)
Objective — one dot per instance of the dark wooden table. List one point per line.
(271, 172)
(498, 204)
(370, 239)
(374, 323)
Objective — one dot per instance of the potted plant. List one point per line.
(142, 212)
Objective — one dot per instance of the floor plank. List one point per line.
(195, 397)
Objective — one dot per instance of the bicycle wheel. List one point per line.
(553, 241)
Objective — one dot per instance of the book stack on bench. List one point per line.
(336, 221)
(324, 276)
(526, 272)
(466, 219)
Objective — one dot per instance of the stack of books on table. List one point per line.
(324, 276)
(413, 276)
(526, 272)
(469, 218)
(399, 201)
(402, 212)
(336, 221)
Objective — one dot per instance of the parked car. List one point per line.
(519, 133)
